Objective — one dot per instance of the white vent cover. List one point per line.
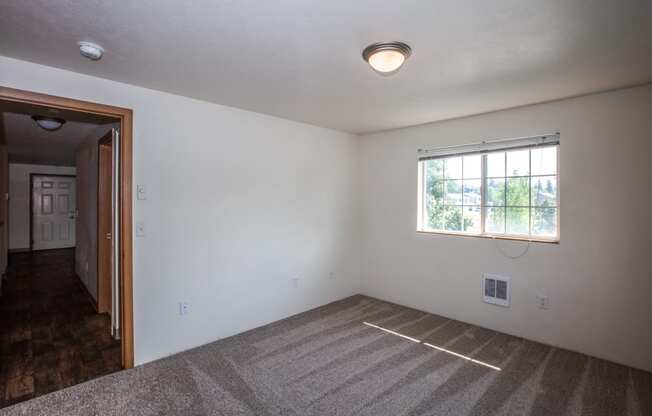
(496, 289)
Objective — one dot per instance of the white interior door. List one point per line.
(53, 212)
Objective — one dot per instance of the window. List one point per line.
(502, 188)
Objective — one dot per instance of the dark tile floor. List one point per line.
(50, 335)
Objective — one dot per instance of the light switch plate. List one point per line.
(141, 192)
(140, 229)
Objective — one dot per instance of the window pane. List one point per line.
(544, 161)
(453, 192)
(472, 220)
(434, 169)
(544, 191)
(472, 192)
(473, 167)
(495, 220)
(435, 191)
(544, 221)
(513, 192)
(518, 220)
(453, 218)
(518, 163)
(453, 168)
(495, 192)
(435, 217)
(518, 192)
(496, 165)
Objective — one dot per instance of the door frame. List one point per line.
(31, 203)
(125, 117)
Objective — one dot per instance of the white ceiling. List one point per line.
(300, 59)
(28, 143)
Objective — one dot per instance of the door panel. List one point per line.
(53, 212)
(104, 234)
(109, 230)
(63, 204)
(64, 232)
(46, 204)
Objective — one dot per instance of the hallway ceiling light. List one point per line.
(49, 123)
(91, 50)
(386, 58)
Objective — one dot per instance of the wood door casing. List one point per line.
(104, 224)
(125, 117)
(4, 188)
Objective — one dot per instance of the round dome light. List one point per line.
(386, 58)
(91, 50)
(49, 123)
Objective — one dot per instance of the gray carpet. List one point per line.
(362, 356)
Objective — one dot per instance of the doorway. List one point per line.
(54, 236)
(52, 207)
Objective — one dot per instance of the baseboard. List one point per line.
(18, 250)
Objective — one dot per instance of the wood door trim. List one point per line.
(125, 116)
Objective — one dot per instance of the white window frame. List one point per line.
(485, 148)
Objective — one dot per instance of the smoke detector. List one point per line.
(91, 50)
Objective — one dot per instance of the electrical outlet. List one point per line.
(184, 308)
(331, 275)
(295, 282)
(543, 302)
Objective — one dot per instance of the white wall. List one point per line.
(238, 204)
(599, 278)
(19, 195)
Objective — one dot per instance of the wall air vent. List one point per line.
(496, 289)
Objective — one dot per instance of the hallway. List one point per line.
(50, 335)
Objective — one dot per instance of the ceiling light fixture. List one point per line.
(49, 123)
(91, 50)
(386, 58)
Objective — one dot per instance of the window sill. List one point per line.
(494, 237)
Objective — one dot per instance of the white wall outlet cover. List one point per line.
(295, 282)
(183, 308)
(543, 301)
